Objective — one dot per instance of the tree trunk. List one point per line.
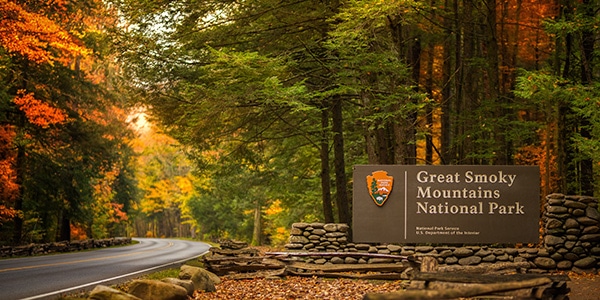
(429, 146)
(257, 231)
(564, 152)
(65, 227)
(408, 41)
(414, 59)
(20, 168)
(380, 149)
(446, 124)
(587, 46)
(325, 179)
(339, 162)
(575, 170)
(463, 85)
(587, 165)
(502, 145)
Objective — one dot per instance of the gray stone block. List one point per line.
(469, 261)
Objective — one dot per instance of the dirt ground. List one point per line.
(584, 287)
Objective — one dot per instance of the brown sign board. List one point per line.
(445, 204)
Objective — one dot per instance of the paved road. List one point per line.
(48, 277)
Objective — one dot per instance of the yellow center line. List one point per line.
(84, 260)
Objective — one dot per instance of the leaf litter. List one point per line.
(295, 287)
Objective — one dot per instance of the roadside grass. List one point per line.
(172, 272)
(162, 274)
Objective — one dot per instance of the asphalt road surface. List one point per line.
(50, 276)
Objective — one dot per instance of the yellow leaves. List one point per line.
(36, 37)
(282, 231)
(278, 233)
(280, 236)
(166, 194)
(38, 112)
(274, 209)
(185, 184)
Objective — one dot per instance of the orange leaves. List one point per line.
(36, 37)
(118, 213)
(38, 112)
(9, 189)
(78, 232)
(59, 4)
(6, 213)
(8, 186)
(542, 155)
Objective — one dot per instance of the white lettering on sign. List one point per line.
(498, 177)
(447, 209)
(425, 177)
(469, 209)
(479, 193)
(516, 209)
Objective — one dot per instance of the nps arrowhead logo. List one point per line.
(380, 186)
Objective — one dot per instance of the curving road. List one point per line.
(48, 277)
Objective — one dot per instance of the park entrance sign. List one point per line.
(446, 204)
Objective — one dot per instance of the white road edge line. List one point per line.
(109, 279)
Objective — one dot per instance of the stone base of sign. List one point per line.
(570, 235)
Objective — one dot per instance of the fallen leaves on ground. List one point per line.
(292, 287)
(584, 275)
(584, 286)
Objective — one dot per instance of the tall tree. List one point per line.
(64, 131)
(379, 63)
(247, 56)
(331, 84)
(572, 70)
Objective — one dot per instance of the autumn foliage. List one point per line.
(38, 112)
(8, 187)
(36, 37)
(61, 134)
(272, 111)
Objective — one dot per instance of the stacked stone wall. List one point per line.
(572, 231)
(570, 241)
(64, 246)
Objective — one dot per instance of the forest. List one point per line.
(235, 118)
